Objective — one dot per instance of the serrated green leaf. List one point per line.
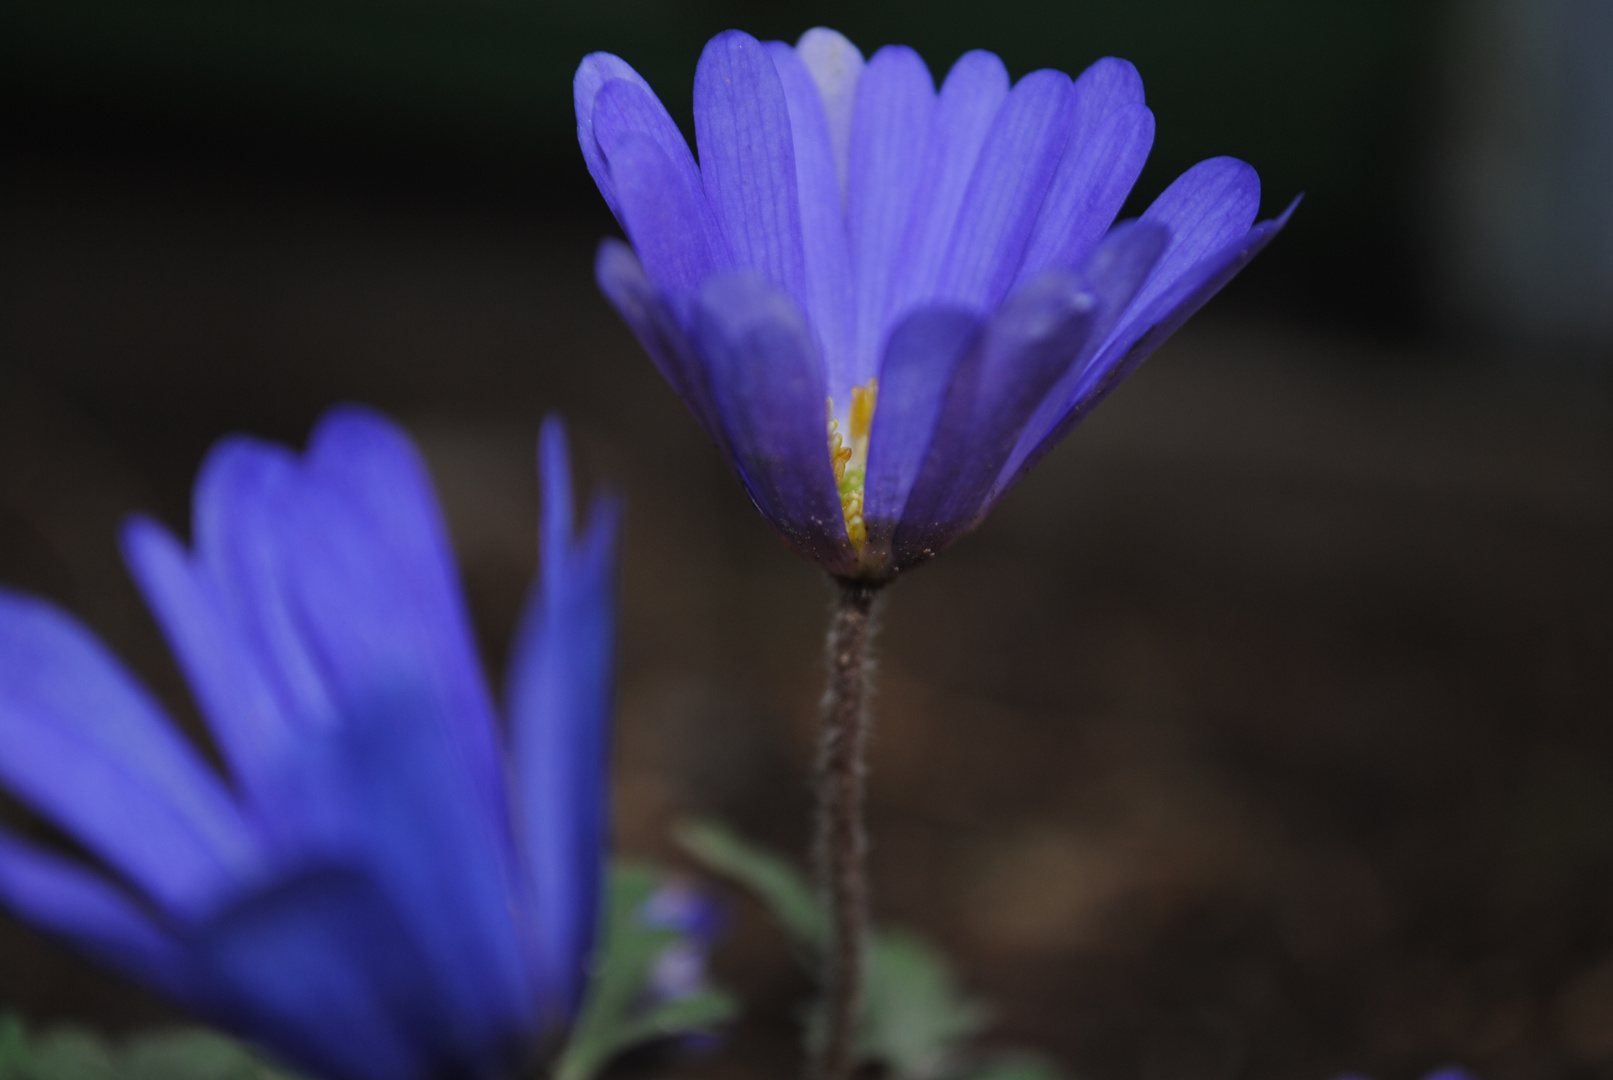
(614, 1017)
(784, 891)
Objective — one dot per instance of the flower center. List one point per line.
(849, 455)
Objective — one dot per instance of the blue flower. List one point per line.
(679, 970)
(385, 888)
(939, 267)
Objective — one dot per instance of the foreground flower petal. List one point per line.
(905, 249)
(372, 1014)
(67, 898)
(82, 742)
(377, 902)
(559, 701)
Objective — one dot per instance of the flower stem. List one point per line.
(842, 838)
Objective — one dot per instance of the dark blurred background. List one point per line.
(1266, 731)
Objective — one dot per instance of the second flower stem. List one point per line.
(842, 838)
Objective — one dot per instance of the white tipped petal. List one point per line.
(836, 65)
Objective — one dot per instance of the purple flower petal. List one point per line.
(994, 390)
(891, 123)
(859, 196)
(1109, 141)
(1105, 86)
(1146, 332)
(559, 701)
(1206, 208)
(1017, 163)
(593, 73)
(1124, 349)
(1116, 272)
(85, 745)
(365, 557)
(974, 91)
(696, 915)
(418, 828)
(769, 388)
(825, 260)
(644, 309)
(836, 66)
(661, 201)
(747, 159)
(233, 519)
(920, 359)
(321, 969)
(241, 708)
(625, 104)
(557, 520)
(387, 936)
(76, 903)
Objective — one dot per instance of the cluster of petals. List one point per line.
(848, 227)
(385, 886)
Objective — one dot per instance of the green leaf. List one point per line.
(702, 1012)
(72, 1053)
(1015, 1067)
(614, 1017)
(193, 1054)
(13, 1046)
(915, 1017)
(627, 951)
(775, 881)
(68, 1053)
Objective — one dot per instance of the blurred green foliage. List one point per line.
(917, 1022)
(615, 1017)
(72, 1053)
(619, 1014)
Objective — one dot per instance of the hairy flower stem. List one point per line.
(842, 839)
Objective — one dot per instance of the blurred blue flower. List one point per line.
(386, 889)
(697, 918)
(939, 267)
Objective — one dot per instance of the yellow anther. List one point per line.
(848, 455)
(839, 453)
(861, 420)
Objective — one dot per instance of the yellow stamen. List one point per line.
(848, 454)
(862, 410)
